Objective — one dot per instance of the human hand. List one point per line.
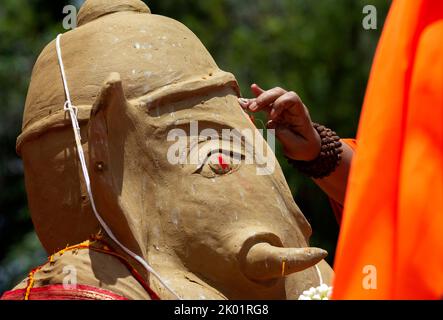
(290, 118)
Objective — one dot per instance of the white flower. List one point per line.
(322, 292)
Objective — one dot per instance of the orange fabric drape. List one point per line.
(392, 230)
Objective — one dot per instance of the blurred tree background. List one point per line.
(317, 48)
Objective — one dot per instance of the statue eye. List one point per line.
(220, 163)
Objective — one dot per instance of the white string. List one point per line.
(73, 112)
(319, 274)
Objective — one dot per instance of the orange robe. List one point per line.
(393, 216)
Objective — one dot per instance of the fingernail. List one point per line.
(243, 100)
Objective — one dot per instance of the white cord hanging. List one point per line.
(73, 111)
(322, 292)
(319, 274)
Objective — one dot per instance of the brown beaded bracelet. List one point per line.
(328, 160)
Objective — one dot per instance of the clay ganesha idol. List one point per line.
(209, 233)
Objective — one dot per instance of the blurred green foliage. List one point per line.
(317, 48)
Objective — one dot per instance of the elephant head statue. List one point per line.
(150, 99)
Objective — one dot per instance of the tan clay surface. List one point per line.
(91, 268)
(210, 235)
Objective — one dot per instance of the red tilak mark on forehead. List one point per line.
(221, 162)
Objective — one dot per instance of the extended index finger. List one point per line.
(266, 99)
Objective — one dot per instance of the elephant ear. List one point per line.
(106, 140)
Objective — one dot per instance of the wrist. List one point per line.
(311, 148)
(328, 158)
(315, 146)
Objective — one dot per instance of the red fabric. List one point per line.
(59, 292)
(393, 217)
(79, 292)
